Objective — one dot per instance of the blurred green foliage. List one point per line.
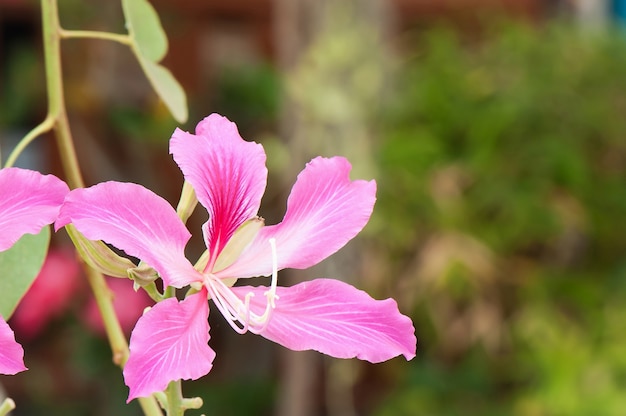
(23, 86)
(503, 189)
(501, 170)
(249, 94)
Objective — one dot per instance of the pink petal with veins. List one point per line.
(169, 343)
(337, 319)
(325, 210)
(227, 173)
(136, 220)
(11, 353)
(28, 202)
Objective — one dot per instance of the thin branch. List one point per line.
(90, 34)
(40, 129)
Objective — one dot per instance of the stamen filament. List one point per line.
(237, 312)
(221, 305)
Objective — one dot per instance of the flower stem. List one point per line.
(58, 118)
(174, 394)
(176, 404)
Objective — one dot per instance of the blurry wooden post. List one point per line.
(299, 371)
(333, 59)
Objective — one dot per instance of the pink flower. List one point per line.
(324, 211)
(28, 202)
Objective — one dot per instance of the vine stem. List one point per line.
(58, 116)
(115, 37)
(40, 129)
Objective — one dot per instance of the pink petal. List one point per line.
(227, 173)
(325, 210)
(11, 353)
(136, 220)
(169, 343)
(337, 319)
(28, 202)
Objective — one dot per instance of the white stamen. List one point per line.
(224, 307)
(238, 313)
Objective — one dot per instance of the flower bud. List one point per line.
(187, 202)
(142, 275)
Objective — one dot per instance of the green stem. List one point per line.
(169, 292)
(56, 100)
(150, 406)
(176, 403)
(7, 405)
(174, 394)
(104, 299)
(40, 129)
(90, 34)
(153, 292)
(58, 116)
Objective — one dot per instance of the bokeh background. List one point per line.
(496, 131)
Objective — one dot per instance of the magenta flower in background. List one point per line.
(324, 211)
(128, 305)
(28, 202)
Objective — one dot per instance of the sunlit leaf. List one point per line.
(144, 27)
(19, 266)
(166, 86)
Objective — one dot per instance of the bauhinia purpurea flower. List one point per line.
(324, 211)
(28, 202)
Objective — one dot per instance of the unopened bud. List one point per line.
(187, 202)
(142, 275)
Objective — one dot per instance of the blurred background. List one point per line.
(495, 129)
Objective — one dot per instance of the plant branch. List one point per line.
(58, 116)
(40, 129)
(90, 34)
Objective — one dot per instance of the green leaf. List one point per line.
(19, 266)
(144, 27)
(150, 46)
(166, 86)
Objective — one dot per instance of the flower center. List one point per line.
(238, 312)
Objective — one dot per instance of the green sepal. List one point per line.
(142, 275)
(98, 255)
